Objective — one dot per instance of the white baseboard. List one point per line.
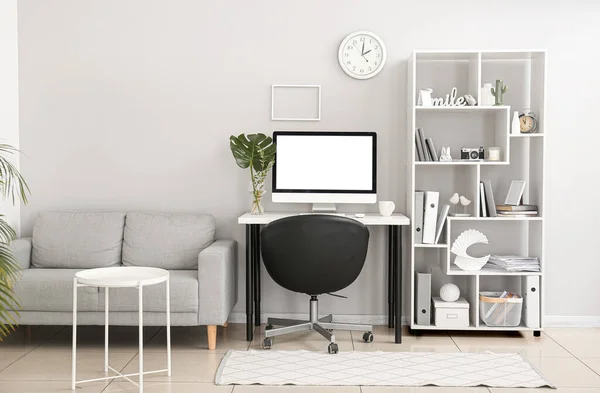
(238, 317)
(571, 321)
(550, 321)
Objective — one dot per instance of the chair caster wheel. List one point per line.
(368, 337)
(267, 343)
(269, 327)
(329, 330)
(333, 348)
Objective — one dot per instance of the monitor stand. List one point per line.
(323, 207)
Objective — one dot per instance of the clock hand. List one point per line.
(362, 51)
(367, 52)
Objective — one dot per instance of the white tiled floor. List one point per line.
(41, 363)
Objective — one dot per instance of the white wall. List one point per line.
(128, 105)
(9, 94)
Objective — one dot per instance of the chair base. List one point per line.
(324, 326)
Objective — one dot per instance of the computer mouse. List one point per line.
(359, 215)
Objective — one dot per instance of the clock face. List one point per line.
(527, 123)
(362, 55)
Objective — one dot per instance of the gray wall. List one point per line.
(128, 105)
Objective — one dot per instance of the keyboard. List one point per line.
(324, 214)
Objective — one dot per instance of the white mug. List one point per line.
(386, 208)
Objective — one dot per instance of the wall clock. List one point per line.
(362, 55)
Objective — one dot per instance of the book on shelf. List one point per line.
(517, 213)
(440, 222)
(431, 149)
(515, 263)
(420, 153)
(489, 198)
(516, 208)
(421, 136)
(482, 204)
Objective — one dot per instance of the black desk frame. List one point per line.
(394, 280)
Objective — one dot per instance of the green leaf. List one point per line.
(252, 150)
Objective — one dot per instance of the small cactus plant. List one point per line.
(498, 92)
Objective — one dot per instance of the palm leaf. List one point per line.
(13, 186)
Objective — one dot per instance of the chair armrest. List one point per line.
(21, 248)
(217, 282)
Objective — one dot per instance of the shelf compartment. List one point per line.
(467, 128)
(447, 180)
(523, 73)
(441, 71)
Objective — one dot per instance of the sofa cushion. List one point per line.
(77, 240)
(184, 295)
(52, 290)
(168, 241)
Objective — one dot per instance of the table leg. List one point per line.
(106, 329)
(169, 327)
(74, 357)
(398, 283)
(391, 276)
(249, 279)
(256, 251)
(141, 337)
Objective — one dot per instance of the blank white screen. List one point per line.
(323, 162)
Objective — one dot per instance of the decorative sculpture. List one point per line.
(449, 292)
(445, 155)
(460, 246)
(498, 92)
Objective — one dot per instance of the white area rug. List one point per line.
(378, 369)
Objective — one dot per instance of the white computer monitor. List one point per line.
(325, 168)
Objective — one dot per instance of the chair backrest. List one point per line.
(314, 254)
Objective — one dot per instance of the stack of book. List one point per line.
(428, 224)
(518, 210)
(513, 263)
(425, 148)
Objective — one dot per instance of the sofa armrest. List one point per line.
(22, 250)
(217, 282)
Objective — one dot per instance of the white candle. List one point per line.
(494, 154)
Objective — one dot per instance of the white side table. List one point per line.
(121, 277)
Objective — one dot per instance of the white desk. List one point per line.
(394, 224)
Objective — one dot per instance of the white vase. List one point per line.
(486, 97)
(516, 125)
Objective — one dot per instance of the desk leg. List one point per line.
(249, 279)
(391, 281)
(256, 251)
(398, 283)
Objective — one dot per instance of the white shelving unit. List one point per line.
(522, 158)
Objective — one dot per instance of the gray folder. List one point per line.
(423, 306)
(418, 225)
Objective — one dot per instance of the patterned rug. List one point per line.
(498, 370)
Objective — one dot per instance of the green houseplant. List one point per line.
(12, 187)
(257, 152)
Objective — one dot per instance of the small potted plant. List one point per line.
(257, 152)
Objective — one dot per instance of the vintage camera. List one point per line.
(468, 153)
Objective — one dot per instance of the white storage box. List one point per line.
(451, 314)
(500, 311)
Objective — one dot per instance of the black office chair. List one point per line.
(314, 254)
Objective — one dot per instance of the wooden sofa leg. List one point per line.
(212, 336)
(226, 324)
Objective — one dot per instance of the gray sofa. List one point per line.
(202, 269)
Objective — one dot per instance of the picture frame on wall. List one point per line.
(515, 192)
